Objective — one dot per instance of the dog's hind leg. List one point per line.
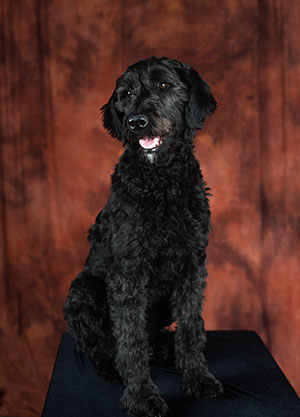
(190, 336)
(127, 287)
(87, 315)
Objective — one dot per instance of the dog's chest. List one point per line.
(158, 227)
(158, 213)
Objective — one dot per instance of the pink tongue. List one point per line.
(149, 143)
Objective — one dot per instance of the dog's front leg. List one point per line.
(128, 304)
(190, 336)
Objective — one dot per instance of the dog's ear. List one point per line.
(201, 102)
(111, 121)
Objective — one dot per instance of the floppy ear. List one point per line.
(111, 121)
(201, 102)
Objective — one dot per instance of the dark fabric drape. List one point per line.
(235, 357)
(58, 64)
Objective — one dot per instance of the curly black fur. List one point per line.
(146, 266)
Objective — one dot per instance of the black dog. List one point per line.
(146, 266)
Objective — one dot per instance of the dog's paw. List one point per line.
(144, 403)
(197, 385)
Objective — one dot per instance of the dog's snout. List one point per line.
(137, 122)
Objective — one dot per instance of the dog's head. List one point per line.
(157, 99)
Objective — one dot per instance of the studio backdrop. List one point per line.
(58, 65)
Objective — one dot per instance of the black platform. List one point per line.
(254, 384)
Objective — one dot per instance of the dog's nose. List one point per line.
(137, 122)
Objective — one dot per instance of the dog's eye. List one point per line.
(129, 93)
(162, 85)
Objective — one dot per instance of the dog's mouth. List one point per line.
(150, 144)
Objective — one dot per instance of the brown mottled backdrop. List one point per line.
(59, 60)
